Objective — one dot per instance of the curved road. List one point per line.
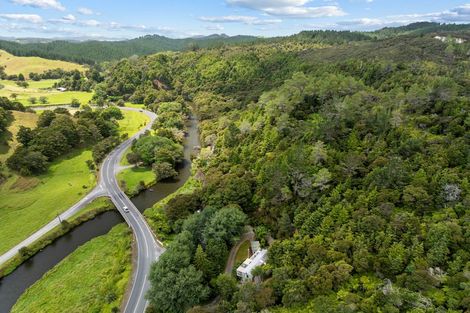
(148, 249)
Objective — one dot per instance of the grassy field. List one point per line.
(242, 253)
(26, 204)
(70, 288)
(132, 122)
(42, 89)
(89, 212)
(130, 179)
(25, 65)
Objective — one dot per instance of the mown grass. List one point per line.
(135, 179)
(25, 65)
(42, 89)
(92, 279)
(242, 253)
(132, 122)
(96, 207)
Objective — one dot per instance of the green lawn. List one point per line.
(25, 65)
(42, 89)
(242, 253)
(133, 176)
(28, 203)
(92, 279)
(132, 122)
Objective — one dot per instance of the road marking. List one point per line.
(141, 291)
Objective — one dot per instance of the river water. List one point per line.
(13, 285)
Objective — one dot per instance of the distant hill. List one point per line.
(96, 51)
(90, 52)
(420, 28)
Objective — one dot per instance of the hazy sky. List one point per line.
(183, 18)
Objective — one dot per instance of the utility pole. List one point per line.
(60, 220)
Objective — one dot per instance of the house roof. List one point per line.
(257, 259)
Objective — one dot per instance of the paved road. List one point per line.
(148, 249)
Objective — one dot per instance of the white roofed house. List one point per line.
(257, 259)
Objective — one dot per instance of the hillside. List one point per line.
(352, 156)
(15, 65)
(90, 52)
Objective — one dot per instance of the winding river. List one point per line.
(14, 285)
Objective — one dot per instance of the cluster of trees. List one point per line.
(164, 150)
(356, 163)
(364, 181)
(197, 255)
(57, 133)
(4, 118)
(77, 81)
(7, 104)
(57, 73)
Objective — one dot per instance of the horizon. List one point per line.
(105, 20)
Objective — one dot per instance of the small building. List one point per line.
(254, 246)
(257, 259)
(61, 89)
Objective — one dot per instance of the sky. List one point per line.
(119, 19)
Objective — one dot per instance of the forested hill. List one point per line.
(89, 52)
(353, 157)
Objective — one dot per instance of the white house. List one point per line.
(257, 259)
(62, 89)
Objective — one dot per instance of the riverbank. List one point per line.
(91, 211)
(99, 288)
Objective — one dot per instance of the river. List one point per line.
(14, 285)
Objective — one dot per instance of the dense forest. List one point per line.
(355, 160)
(92, 52)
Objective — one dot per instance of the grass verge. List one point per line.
(92, 210)
(92, 279)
